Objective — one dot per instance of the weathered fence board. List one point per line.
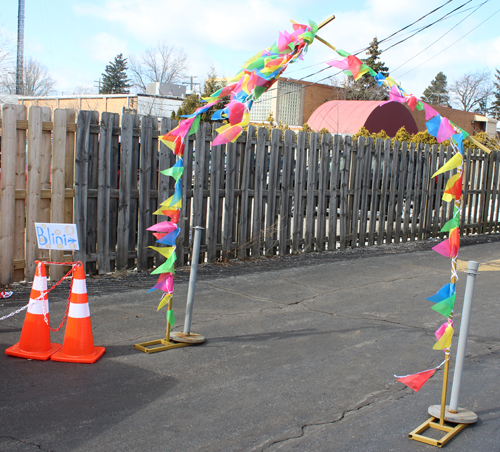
(334, 192)
(58, 188)
(13, 178)
(324, 172)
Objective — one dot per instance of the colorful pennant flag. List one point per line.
(445, 292)
(440, 331)
(416, 381)
(164, 301)
(453, 189)
(166, 267)
(445, 306)
(171, 318)
(170, 238)
(453, 163)
(453, 223)
(445, 340)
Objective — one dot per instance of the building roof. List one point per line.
(348, 116)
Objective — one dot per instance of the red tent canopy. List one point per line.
(348, 116)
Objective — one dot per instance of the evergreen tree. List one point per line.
(373, 60)
(495, 105)
(366, 88)
(437, 92)
(114, 79)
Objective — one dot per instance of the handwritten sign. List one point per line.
(57, 236)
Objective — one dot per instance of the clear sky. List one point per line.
(75, 39)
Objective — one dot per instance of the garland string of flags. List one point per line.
(257, 75)
(443, 129)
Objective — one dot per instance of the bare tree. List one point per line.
(163, 63)
(472, 91)
(36, 80)
(6, 58)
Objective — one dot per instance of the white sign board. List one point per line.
(57, 236)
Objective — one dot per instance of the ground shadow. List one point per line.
(60, 406)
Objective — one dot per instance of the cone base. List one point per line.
(87, 359)
(41, 356)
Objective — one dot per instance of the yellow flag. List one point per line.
(454, 162)
(445, 340)
(390, 81)
(164, 250)
(164, 300)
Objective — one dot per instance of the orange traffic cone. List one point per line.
(78, 346)
(35, 336)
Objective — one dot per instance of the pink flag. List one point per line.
(449, 247)
(429, 112)
(340, 64)
(164, 226)
(445, 131)
(440, 331)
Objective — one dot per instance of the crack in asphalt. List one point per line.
(243, 294)
(370, 399)
(26, 442)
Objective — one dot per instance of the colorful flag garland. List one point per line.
(443, 130)
(257, 75)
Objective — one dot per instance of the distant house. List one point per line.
(160, 100)
(472, 123)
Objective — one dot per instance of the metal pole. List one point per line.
(192, 278)
(472, 268)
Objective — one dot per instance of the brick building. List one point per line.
(292, 101)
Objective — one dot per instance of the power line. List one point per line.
(452, 44)
(389, 38)
(430, 25)
(441, 37)
(385, 39)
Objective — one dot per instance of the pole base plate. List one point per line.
(433, 422)
(158, 345)
(461, 417)
(190, 338)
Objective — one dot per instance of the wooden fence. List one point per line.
(263, 195)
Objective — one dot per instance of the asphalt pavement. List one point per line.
(299, 356)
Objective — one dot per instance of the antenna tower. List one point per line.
(20, 48)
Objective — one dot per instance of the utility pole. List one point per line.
(192, 83)
(98, 85)
(20, 48)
